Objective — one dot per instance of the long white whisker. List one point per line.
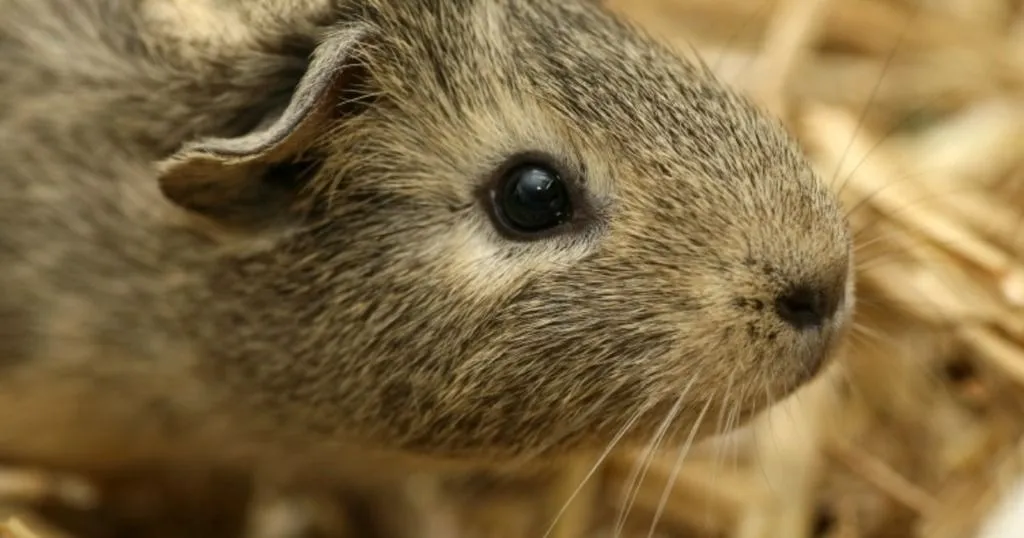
(597, 465)
(640, 471)
(676, 467)
(864, 112)
(726, 404)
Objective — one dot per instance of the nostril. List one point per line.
(805, 307)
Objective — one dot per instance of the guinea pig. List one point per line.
(458, 231)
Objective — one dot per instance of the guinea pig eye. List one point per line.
(532, 198)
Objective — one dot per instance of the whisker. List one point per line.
(676, 467)
(862, 231)
(719, 455)
(916, 176)
(731, 424)
(585, 418)
(597, 465)
(640, 471)
(861, 329)
(871, 99)
(755, 15)
(758, 437)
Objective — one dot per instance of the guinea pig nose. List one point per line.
(807, 307)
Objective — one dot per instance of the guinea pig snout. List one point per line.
(809, 306)
(814, 312)
(811, 299)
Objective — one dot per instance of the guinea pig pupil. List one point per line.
(533, 198)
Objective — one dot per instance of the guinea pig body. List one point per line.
(469, 231)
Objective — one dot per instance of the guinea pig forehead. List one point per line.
(609, 76)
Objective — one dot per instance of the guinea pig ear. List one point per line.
(254, 178)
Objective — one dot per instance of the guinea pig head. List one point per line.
(506, 228)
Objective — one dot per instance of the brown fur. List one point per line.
(367, 304)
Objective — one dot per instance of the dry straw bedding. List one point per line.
(914, 109)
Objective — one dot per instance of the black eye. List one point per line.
(532, 198)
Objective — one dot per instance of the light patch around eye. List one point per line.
(467, 151)
(487, 265)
